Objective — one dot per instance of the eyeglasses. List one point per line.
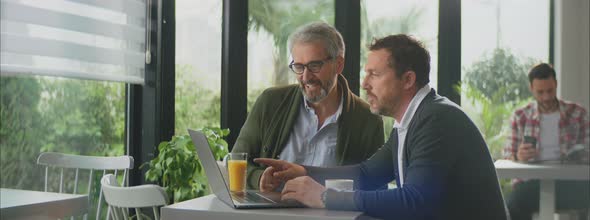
(313, 66)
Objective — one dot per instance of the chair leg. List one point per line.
(156, 214)
(125, 212)
(138, 213)
(108, 212)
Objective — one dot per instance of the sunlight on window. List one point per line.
(198, 73)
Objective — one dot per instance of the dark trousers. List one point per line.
(524, 199)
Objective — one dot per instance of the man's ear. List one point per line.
(409, 79)
(339, 64)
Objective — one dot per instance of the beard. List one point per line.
(324, 88)
(548, 106)
(385, 107)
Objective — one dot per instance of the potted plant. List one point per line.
(178, 169)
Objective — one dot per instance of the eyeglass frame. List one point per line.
(306, 66)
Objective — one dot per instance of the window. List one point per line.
(198, 73)
(501, 41)
(43, 41)
(43, 114)
(271, 23)
(380, 18)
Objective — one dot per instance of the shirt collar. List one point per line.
(332, 118)
(562, 108)
(412, 107)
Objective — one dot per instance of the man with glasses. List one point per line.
(318, 122)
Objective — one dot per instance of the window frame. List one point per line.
(150, 108)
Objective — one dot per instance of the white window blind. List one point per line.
(85, 39)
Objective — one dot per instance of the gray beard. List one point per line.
(315, 99)
(323, 94)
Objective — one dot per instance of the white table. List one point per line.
(26, 204)
(547, 174)
(209, 207)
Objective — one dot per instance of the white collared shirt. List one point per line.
(309, 145)
(402, 128)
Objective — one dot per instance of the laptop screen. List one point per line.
(216, 181)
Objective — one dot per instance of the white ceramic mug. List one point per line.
(340, 184)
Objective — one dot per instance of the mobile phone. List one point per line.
(530, 140)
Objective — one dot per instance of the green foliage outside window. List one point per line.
(40, 114)
(500, 70)
(280, 19)
(494, 87)
(19, 139)
(195, 107)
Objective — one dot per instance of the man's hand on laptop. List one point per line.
(278, 171)
(267, 182)
(305, 190)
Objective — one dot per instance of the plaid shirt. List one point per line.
(574, 127)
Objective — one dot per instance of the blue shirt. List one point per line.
(309, 145)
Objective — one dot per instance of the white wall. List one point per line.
(572, 48)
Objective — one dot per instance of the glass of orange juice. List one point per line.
(236, 167)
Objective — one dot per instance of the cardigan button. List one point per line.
(265, 149)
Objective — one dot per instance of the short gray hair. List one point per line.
(322, 32)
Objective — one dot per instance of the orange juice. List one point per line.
(237, 174)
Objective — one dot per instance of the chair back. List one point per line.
(120, 199)
(72, 169)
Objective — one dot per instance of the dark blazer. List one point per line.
(448, 171)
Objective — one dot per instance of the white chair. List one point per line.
(77, 167)
(120, 199)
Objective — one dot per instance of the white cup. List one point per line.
(340, 184)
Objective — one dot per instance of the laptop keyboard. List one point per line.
(249, 197)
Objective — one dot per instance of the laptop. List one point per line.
(239, 200)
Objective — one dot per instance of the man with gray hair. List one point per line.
(318, 122)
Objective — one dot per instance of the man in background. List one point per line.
(318, 122)
(555, 130)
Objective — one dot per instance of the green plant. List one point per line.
(490, 115)
(178, 168)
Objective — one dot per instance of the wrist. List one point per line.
(323, 198)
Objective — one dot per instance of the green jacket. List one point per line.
(269, 123)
